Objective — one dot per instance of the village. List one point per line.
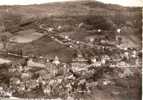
(49, 77)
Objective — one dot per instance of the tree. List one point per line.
(99, 22)
(119, 40)
(4, 40)
(11, 21)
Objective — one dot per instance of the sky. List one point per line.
(26, 2)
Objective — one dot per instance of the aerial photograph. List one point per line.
(71, 49)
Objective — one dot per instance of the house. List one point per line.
(79, 58)
(118, 30)
(79, 63)
(30, 62)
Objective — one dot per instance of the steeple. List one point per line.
(56, 61)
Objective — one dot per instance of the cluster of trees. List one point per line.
(10, 22)
(99, 22)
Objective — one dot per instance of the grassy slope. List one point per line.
(71, 13)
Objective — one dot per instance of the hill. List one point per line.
(76, 19)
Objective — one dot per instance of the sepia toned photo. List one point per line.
(71, 49)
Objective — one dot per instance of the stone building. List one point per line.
(79, 63)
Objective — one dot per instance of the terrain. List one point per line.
(65, 29)
(69, 15)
